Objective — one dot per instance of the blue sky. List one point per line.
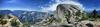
(90, 4)
(42, 5)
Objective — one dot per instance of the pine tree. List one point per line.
(94, 14)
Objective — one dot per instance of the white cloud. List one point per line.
(53, 6)
(98, 9)
(11, 1)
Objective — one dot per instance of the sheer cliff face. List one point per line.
(67, 12)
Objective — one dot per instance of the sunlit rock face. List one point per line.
(9, 21)
(65, 15)
(67, 12)
(72, 14)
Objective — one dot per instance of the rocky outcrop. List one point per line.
(65, 15)
(68, 12)
(72, 15)
(10, 21)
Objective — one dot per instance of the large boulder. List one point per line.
(67, 13)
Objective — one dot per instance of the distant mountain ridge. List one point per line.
(98, 11)
(30, 16)
(5, 11)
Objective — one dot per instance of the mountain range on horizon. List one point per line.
(24, 16)
(30, 16)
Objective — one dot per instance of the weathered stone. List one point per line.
(65, 16)
(10, 18)
(67, 12)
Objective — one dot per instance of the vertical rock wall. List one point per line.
(67, 12)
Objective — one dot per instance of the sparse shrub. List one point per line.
(3, 22)
(98, 15)
(84, 16)
(14, 23)
(1, 15)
